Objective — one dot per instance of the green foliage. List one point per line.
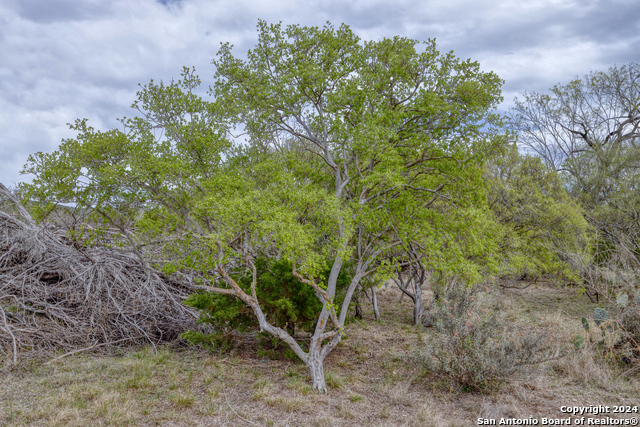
(540, 223)
(395, 129)
(603, 325)
(351, 149)
(473, 347)
(385, 137)
(600, 315)
(287, 303)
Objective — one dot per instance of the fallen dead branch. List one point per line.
(55, 295)
(91, 347)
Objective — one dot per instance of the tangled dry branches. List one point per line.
(55, 295)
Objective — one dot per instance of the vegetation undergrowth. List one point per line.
(371, 380)
(474, 347)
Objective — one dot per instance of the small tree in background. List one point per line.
(539, 222)
(589, 131)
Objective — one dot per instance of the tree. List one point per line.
(350, 150)
(539, 222)
(589, 130)
(461, 247)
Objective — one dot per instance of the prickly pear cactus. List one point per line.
(601, 319)
(600, 315)
(622, 299)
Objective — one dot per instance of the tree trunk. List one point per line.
(315, 363)
(374, 301)
(356, 300)
(418, 310)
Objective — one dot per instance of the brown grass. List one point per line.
(372, 378)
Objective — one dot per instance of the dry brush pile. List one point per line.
(59, 296)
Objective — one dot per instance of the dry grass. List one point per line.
(372, 380)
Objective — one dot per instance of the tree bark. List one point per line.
(418, 310)
(315, 363)
(417, 276)
(356, 300)
(374, 302)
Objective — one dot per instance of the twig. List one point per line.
(95, 345)
(236, 413)
(73, 352)
(70, 295)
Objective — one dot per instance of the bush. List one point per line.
(286, 302)
(618, 336)
(472, 346)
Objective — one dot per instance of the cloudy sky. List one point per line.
(67, 59)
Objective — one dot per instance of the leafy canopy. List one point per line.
(395, 130)
(589, 130)
(539, 222)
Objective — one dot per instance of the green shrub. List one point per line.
(287, 303)
(472, 346)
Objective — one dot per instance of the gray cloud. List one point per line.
(67, 59)
(46, 12)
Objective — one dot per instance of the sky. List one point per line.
(61, 60)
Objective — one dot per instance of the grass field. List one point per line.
(372, 376)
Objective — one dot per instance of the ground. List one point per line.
(373, 379)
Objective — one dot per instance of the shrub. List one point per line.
(615, 332)
(287, 303)
(472, 346)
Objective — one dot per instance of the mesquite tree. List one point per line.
(348, 150)
(539, 222)
(589, 130)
